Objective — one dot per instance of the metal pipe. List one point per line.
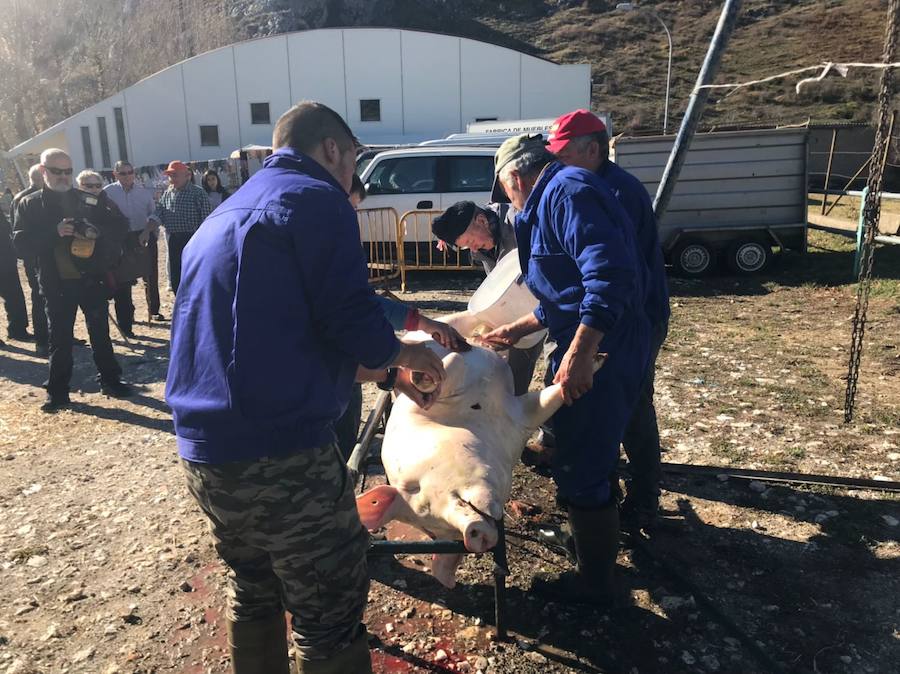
(501, 570)
(361, 449)
(828, 170)
(695, 107)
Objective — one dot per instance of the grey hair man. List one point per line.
(139, 207)
(579, 257)
(75, 238)
(38, 312)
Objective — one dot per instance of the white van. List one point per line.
(428, 178)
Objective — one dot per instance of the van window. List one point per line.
(470, 174)
(403, 175)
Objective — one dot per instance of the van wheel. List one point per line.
(693, 258)
(748, 256)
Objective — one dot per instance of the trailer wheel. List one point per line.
(693, 258)
(748, 256)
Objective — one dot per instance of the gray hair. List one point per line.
(34, 173)
(53, 153)
(122, 164)
(88, 173)
(530, 162)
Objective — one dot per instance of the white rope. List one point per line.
(841, 68)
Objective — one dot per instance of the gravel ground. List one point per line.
(107, 566)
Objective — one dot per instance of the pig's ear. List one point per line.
(377, 506)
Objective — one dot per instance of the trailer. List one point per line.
(740, 195)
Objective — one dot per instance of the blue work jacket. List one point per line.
(273, 315)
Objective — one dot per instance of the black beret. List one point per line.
(450, 224)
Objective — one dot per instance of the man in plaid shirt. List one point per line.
(181, 210)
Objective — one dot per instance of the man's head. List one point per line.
(35, 177)
(318, 131)
(517, 165)
(124, 173)
(90, 181)
(357, 191)
(179, 174)
(56, 168)
(464, 225)
(579, 139)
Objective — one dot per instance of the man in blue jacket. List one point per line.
(580, 139)
(272, 320)
(580, 259)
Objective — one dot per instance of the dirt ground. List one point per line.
(107, 567)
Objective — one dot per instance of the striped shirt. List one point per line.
(182, 211)
(136, 204)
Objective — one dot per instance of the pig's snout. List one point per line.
(423, 382)
(480, 536)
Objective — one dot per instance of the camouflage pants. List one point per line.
(288, 531)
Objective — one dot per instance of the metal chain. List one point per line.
(872, 208)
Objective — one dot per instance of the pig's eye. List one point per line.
(476, 406)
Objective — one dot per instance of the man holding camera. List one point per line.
(76, 239)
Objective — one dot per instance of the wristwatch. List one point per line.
(390, 380)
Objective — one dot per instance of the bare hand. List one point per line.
(65, 227)
(505, 335)
(575, 374)
(443, 334)
(405, 386)
(442, 246)
(422, 359)
(144, 237)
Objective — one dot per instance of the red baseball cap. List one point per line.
(175, 166)
(572, 125)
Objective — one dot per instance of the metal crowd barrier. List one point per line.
(379, 231)
(420, 252)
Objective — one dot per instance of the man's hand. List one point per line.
(144, 236)
(575, 374)
(405, 386)
(420, 358)
(576, 371)
(442, 246)
(65, 227)
(504, 336)
(443, 334)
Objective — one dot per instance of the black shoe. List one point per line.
(129, 333)
(42, 350)
(21, 336)
(638, 516)
(116, 389)
(159, 317)
(55, 401)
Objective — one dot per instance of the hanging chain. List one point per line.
(872, 208)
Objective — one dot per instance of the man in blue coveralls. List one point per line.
(580, 259)
(273, 318)
(579, 138)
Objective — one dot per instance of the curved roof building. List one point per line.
(392, 86)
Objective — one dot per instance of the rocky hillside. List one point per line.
(628, 50)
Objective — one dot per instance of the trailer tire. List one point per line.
(748, 256)
(693, 258)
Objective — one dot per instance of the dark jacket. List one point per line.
(7, 253)
(31, 189)
(273, 315)
(580, 258)
(633, 196)
(35, 234)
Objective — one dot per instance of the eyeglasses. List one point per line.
(58, 171)
(124, 173)
(94, 186)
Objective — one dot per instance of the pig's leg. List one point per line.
(443, 567)
(378, 506)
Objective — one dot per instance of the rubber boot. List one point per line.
(596, 536)
(259, 646)
(354, 659)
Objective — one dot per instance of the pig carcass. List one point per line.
(450, 467)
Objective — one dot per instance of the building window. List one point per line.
(370, 110)
(259, 113)
(209, 135)
(86, 145)
(120, 133)
(104, 142)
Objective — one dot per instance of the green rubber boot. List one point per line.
(354, 659)
(259, 646)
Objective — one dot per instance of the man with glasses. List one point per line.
(181, 209)
(137, 204)
(74, 236)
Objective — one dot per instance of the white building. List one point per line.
(392, 86)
